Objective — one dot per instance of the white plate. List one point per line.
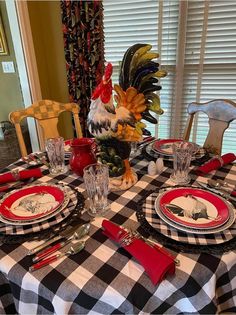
(9, 229)
(164, 146)
(31, 202)
(194, 207)
(40, 219)
(155, 154)
(194, 230)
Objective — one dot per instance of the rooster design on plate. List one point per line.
(35, 204)
(196, 209)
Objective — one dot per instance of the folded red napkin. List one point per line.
(156, 263)
(215, 163)
(9, 177)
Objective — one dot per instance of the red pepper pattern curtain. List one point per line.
(84, 51)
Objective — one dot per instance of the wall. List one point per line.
(10, 91)
(45, 20)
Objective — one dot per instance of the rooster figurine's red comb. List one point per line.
(104, 89)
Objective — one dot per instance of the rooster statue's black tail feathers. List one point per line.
(138, 70)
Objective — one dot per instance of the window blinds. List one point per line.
(197, 44)
(210, 62)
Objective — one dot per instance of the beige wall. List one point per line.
(45, 19)
(10, 92)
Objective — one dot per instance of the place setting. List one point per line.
(53, 211)
(163, 148)
(189, 216)
(57, 152)
(32, 209)
(38, 209)
(36, 159)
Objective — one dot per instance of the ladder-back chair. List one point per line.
(46, 112)
(220, 113)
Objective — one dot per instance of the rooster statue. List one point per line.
(115, 127)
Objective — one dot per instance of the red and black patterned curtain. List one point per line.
(84, 51)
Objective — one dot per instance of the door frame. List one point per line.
(18, 16)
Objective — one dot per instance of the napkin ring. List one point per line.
(219, 158)
(125, 238)
(15, 174)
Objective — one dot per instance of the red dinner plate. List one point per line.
(32, 202)
(164, 146)
(193, 207)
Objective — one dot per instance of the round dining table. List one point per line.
(104, 278)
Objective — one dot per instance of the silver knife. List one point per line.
(64, 234)
(217, 191)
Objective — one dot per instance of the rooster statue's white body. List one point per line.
(104, 118)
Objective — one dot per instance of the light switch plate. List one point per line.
(8, 67)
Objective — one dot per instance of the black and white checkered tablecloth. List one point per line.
(104, 279)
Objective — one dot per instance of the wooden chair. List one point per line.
(220, 112)
(46, 112)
